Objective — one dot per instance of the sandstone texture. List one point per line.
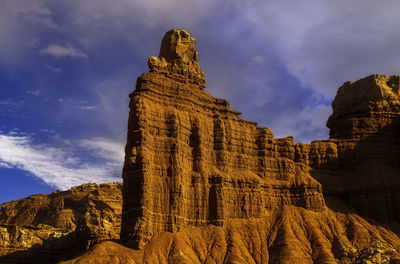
(47, 228)
(364, 135)
(191, 162)
(288, 235)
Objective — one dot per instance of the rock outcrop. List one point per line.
(364, 138)
(48, 228)
(191, 160)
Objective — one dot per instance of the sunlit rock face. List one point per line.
(192, 162)
(47, 228)
(178, 58)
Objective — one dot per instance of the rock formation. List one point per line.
(47, 228)
(191, 160)
(364, 135)
(202, 185)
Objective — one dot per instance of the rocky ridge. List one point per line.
(46, 228)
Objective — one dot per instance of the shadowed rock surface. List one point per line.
(46, 228)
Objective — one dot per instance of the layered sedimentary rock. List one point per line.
(46, 228)
(191, 160)
(285, 236)
(364, 141)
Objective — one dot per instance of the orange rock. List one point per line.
(191, 160)
(47, 228)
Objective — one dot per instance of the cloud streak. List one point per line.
(58, 167)
(59, 51)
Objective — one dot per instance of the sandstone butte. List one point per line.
(202, 185)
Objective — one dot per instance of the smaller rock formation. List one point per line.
(366, 107)
(46, 228)
(365, 138)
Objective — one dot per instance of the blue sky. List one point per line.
(67, 67)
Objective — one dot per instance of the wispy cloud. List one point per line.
(54, 69)
(88, 107)
(108, 149)
(9, 106)
(58, 167)
(35, 92)
(59, 51)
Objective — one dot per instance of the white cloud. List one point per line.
(106, 148)
(5, 165)
(63, 51)
(56, 166)
(6, 102)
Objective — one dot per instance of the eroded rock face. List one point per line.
(361, 165)
(46, 228)
(191, 161)
(288, 235)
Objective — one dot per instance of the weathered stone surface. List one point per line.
(179, 58)
(191, 160)
(285, 236)
(46, 228)
(360, 162)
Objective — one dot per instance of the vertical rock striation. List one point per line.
(191, 160)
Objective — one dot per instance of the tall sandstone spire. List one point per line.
(190, 158)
